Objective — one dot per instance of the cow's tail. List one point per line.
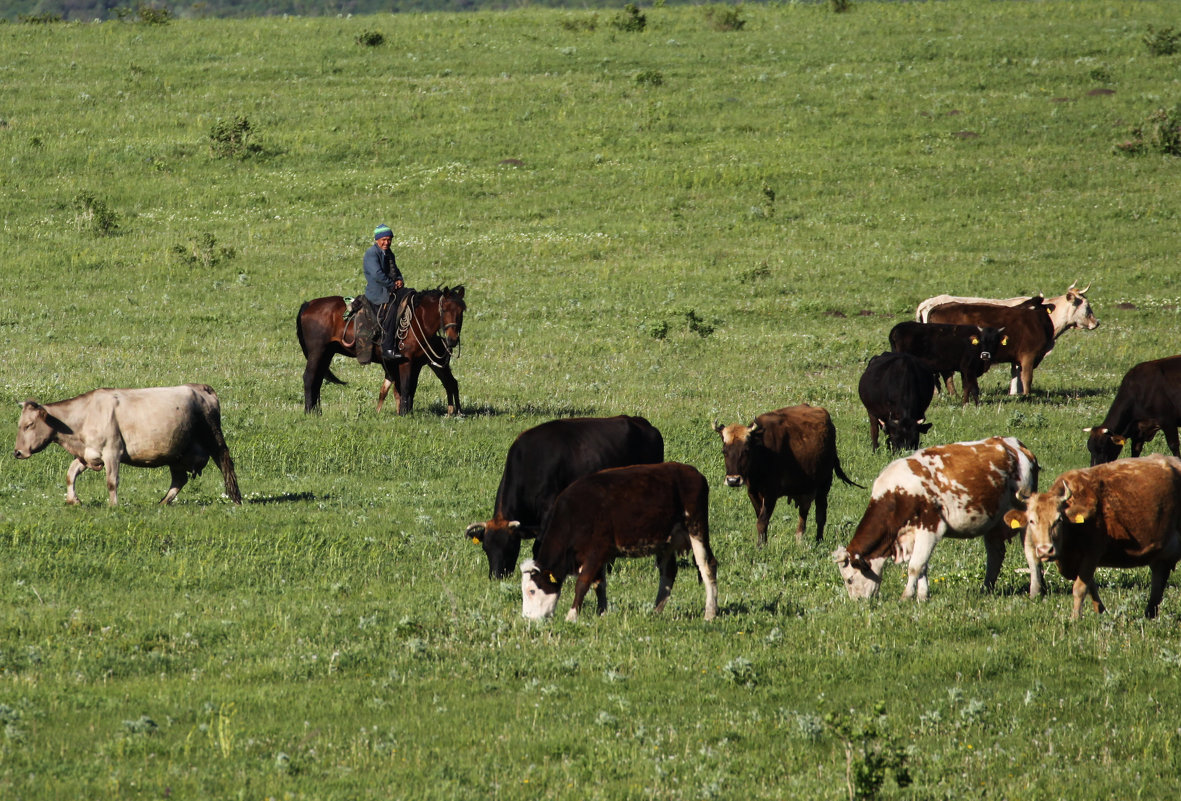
(836, 468)
(328, 374)
(216, 444)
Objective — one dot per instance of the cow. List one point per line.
(1148, 400)
(152, 427)
(660, 510)
(947, 349)
(1125, 513)
(961, 490)
(790, 452)
(542, 462)
(896, 389)
(1027, 327)
(1068, 310)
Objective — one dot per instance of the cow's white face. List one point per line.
(862, 578)
(33, 432)
(1044, 520)
(539, 597)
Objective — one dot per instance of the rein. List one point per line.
(435, 358)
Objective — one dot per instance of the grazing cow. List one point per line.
(542, 462)
(175, 426)
(790, 452)
(1068, 310)
(896, 389)
(660, 509)
(1123, 514)
(1148, 401)
(947, 349)
(960, 490)
(1027, 327)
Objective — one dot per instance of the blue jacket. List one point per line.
(381, 270)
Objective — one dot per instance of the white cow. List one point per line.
(960, 490)
(175, 426)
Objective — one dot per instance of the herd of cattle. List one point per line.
(590, 490)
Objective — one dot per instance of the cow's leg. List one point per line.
(601, 591)
(873, 432)
(112, 480)
(707, 568)
(804, 504)
(581, 586)
(1160, 577)
(994, 556)
(1085, 585)
(180, 477)
(666, 563)
(1037, 584)
(821, 513)
(1015, 379)
(765, 508)
(76, 468)
(916, 568)
(1171, 438)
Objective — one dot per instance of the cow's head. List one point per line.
(539, 591)
(902, 433)
(737, 441)
(1077, 308)
(862, 577)
(1104, 444)
(988, 341)
(34, 430)
(1048, 516)
(501, 540)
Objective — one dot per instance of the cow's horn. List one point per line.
(1084, 291)
(529, 566)
(514, 524)
(475, 528)
(718, 426)
(1066, 493)
(753, 428)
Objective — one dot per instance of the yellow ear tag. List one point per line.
(1079, 518)
(1119, 440)
(1014, 524)
(1004, 340)
(975, 341)
(476, 540)
(552, 580)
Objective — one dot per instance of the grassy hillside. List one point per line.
(686, 223)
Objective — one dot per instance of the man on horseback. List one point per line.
(385, 289)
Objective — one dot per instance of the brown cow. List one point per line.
(1028, 328)
(790, 452)
(1069, 310)
(1125, 513)
(659, 509)
(175, 426)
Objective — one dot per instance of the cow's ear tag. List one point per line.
(1079, 518)
(975, 341)
(552, 580)
(1004, 340)
(1014, 523)
(476, 540)
(1119, 440)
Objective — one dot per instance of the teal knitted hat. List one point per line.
(382, 230)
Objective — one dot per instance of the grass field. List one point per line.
(685, 223)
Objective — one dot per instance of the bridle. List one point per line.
(434, 357)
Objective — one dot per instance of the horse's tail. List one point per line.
(216, 443)
(303, 345)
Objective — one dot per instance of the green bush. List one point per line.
(650, 78)
(147, 14)
(230, 138)
(95, 216)
(370, 39)
(1160, 133)
(725, 18)
(203, 252)
(1164, 42)
(39, 19)
(840, 6)
(630, 19)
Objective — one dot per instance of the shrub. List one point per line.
(370, 39)
(202, 252)
(1160, 133)
(147, 14)
(230, 138)
(725, 18)
(40, 19)
(840, 6)
(585, 24)
(630, 19)
(650, 78)
(94, 215)
(1164, 42)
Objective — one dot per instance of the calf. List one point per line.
(790, 452)
(896, 389)
(177, 427)
(947, 349)
(542, 462)
(1123, 514)
(1148, 401)
(658, 509)
(962, 490)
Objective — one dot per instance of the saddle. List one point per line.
(366, 320)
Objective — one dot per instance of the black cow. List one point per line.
(948, 349)
(896, 389)
(546, 459)
(1148, 401)
(1028, 327)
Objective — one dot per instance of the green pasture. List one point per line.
(686, 223)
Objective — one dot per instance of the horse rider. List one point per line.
(385, 289)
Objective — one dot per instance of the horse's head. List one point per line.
(451, 308)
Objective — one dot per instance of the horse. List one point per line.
(432, 336)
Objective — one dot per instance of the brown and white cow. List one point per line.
(790, 452)
(1125, 513)
(1068, 310)
(177, 427)
(658, 509)
(962, 490)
